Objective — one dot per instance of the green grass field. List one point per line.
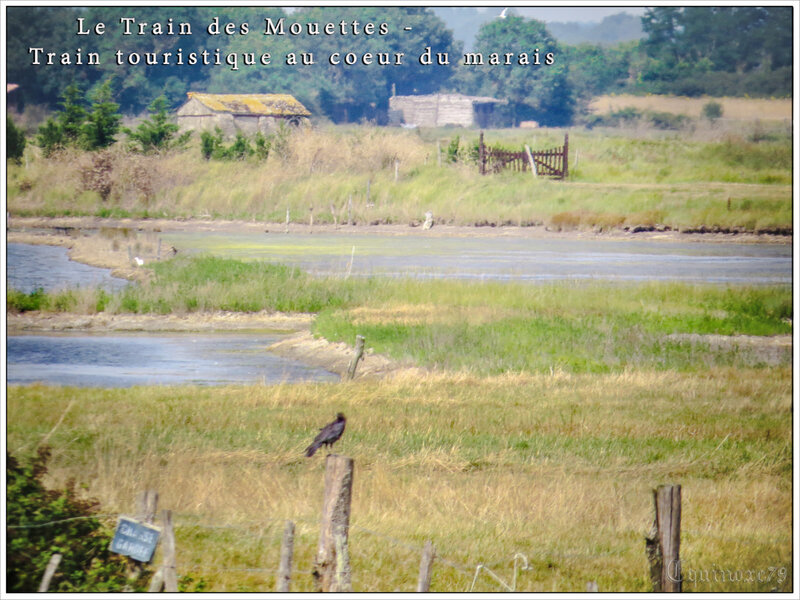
(557, 467)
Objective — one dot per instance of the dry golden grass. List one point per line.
(732, 108)
(558, 467)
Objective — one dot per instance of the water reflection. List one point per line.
(505, 259)
(147, 359)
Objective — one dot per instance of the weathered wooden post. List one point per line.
(350, 210)
(566, 155)
(332, 566)
(52, 565)
(168, 549)
(351, 370)
(311, 216)
(426, 568)
(287, 219)
(166, 576)
(534, 170)
(396, 169)
(662, 545)
(285, 568)
(146, 505)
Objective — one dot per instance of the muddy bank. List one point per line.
(299, 344)
(336, 357)
(36, 321)
(145, 226)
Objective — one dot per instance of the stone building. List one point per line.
(439, 110)
(245, 113)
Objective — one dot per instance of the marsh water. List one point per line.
(115, 360)
(29, 267)
(118, 360)
(503, 258)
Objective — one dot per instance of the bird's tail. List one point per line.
(311, 449)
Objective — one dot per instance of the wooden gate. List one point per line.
(548, 163)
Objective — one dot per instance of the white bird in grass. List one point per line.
(503, 14)
(139, 262)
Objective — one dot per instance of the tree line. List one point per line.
(687, 51)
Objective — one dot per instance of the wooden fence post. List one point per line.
(287, 219)
(146, 505)
(285, 568)
(351, 370)
(662, 545)
(52, 565)
(426, 568)
(482, 155)
(534, 170)
(350, 210)
(166, 577)
(566, 156)
(332, 566)
(168, 549)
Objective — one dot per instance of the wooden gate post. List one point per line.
(566, 156)
(663, 543)
(332, 566)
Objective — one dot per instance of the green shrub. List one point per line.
(41, 522)
(157, 132)
(17, 301)
(712, 110)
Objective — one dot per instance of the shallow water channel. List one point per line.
(30, 267)
(119, 360)
(503, 258)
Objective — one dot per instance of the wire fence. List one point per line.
(189, 521)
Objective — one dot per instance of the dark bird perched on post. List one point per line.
(328, 434)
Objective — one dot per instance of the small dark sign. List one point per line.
(135, 539)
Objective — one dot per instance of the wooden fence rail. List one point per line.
(553, 162)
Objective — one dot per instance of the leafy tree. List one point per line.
(42, 27)
(73, 115)
(691, 50)
(536, 92)
(158, 132)
(15, 141)
(102, 122)
(41, 522)
(66, 128)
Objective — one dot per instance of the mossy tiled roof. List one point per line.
(254, 104)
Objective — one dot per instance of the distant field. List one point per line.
(732, 108)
